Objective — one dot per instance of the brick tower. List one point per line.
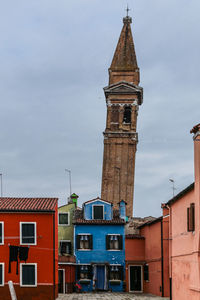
(123, 97)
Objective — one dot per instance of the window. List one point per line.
(84, 272)
(1, 233)
(84, 242)
(191, 217)
(65, 247)
(1, 274)
(146, 272)
(116, 272)
(28, 233)
(28, 274)
(98, 212)
(115, 114)
(114, 242)
(127, 114)
(63, 219)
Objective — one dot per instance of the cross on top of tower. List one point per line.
(127, 19)
(127, 10)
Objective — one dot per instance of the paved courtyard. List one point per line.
(108, 296)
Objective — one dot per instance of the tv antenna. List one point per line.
(173, 186)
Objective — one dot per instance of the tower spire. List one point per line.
(124, 64)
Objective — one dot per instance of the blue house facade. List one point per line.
(100, 246)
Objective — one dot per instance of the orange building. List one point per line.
(184, 224)
(29, 248)
(147, 258)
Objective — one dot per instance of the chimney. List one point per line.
(73, 199)
(196, 131)
(122, 209)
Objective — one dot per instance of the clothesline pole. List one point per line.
(12, 290)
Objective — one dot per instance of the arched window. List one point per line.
(127, 114)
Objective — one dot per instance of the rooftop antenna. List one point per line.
(70, 183)
(1, 184)
(173, 187)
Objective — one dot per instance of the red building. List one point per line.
(29, 248)
(147, 258)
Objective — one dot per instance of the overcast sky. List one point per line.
(54, 58)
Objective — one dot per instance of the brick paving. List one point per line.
(108, 296)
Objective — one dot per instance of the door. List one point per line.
(135, 279)
(61, 281)
(100, 277)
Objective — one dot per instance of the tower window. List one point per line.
(127, 114)
(115, 114)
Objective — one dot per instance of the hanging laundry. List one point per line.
(13, 256)
(23, 253)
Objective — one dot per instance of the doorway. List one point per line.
(135, 278)
(100, 278)
(61, 281)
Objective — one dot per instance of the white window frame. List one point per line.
(84, 249)
(2, 233)
(64, 213)
(3, 274)
(35, 237)
(28, 285)
(93, 211)
(118, 234)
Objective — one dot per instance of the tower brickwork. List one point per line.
(123, 97)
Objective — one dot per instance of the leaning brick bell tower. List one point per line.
(123, 97)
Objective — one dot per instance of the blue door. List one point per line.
(100, 277)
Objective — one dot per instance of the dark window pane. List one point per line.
(127, 114)
(28, 275)
(98, 212)
(28, 233)
(1, 274)
(65, 247)
(63, 219)
(1, 233)
(146, 272)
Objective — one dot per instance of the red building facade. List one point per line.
(29, 226)
(147, 258)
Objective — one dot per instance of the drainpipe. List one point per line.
(162, 258)
(170, 250)
(54, 258)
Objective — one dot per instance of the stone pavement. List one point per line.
(108, 296)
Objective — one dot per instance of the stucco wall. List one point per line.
(67, 232)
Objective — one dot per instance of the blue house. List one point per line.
(100, 246)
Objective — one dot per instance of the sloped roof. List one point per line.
(79, 219)
(97, 199)
(28, 204)
(148, 223)
(125, 58)
(180, 195)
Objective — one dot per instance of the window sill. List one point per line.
(85, 281)
(84, 249)
(114, 249)
(115, 282)
(25, 286)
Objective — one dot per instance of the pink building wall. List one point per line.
(184, 252)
